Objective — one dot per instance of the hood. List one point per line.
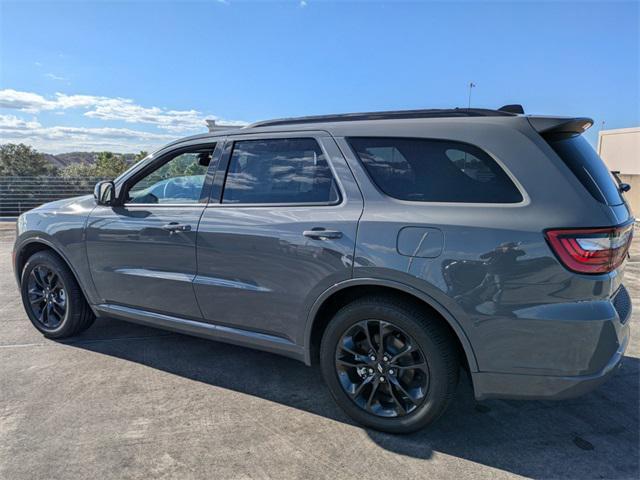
(69, 205)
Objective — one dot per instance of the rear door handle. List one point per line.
(174, 227)
(322, 234)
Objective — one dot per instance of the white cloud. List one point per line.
(54, 139)
(33, 102)
(127, 111)
(11, 122)
(65, 139)
(25, 101)
(171, 120)
(109, 108)
(303, 3)
(63, 101)
(53, 76)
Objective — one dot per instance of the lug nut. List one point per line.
(385, 358)
(371, 370)
(392, 372)
(382, 379)
(372, 358)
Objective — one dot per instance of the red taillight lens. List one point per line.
(594, 250)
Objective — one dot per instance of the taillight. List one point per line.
(593, 250)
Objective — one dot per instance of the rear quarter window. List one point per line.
(576, 152)
(425, 170)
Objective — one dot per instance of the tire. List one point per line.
(396, 407)
(55, 305)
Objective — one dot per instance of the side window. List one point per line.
(180, 180)
(424, 170)
(279, 171)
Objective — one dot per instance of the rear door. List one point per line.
(279, 229)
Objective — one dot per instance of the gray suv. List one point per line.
(392, 248)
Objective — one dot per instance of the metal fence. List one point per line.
(19, 194)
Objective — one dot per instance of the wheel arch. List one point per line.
(33, 245)
(340, 294)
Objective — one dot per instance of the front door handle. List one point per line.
(322, 234)
(174, 227)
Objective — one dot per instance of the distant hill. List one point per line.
(62, 160)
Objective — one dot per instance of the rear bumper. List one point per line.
(543, 387)
(598, 344)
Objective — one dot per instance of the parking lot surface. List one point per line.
(124, 401)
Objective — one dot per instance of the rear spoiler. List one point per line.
(560, 125)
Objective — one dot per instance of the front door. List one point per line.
(142, 254)
(277, 233)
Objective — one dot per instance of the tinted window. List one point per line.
(588, 167)
(180, 180)
(434, 171)
(279, 171)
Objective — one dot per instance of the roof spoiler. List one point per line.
(547, 125)
(513, 108)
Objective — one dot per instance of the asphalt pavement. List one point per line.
(123, 401)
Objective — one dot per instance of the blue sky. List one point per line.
(128, 76)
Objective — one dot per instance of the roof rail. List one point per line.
(388, 115)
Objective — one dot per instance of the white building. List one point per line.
(620, 150)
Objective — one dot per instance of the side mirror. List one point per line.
(625, 187)
(105, 192)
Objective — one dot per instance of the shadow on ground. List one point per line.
(536, 438)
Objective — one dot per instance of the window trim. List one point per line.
(165, 158)
(220, 180)
(525, 197)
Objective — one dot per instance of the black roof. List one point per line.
(389, 115)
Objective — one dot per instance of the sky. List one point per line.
(131, 76)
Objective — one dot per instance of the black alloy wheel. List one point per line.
(47, 297)
(382, 368)
(390, 363)
(52, 298)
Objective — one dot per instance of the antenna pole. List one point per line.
(600, 137)
(471, 85)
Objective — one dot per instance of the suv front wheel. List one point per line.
(52, 297)
(388, 364)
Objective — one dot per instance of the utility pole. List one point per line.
(471, 85)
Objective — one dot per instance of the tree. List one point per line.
(22, 160)
(107, 165)
(141, 155)
(78, 170)
(183, 165)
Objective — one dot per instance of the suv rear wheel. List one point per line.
(388, 364)
(52, 297)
